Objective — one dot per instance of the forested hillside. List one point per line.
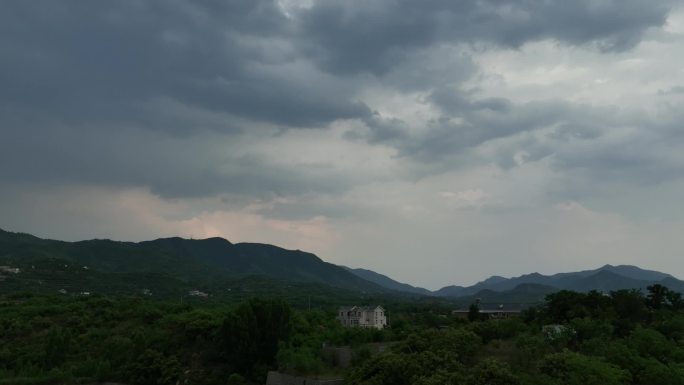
(167, 267)
(624, 337)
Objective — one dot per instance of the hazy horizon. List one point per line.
(437, 143)
(416, 284)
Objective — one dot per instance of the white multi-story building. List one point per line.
(362, 316)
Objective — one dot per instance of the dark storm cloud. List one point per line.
(468, 121)
(576, 138)
(390, 131)
(83, 82)
(650, 156)
(84, 62)
(356, 36)
(453, 102)
(600, 154)
(171, 168)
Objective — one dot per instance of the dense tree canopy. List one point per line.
(622, 337)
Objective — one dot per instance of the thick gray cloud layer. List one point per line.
(351, 36)
(82, 62)
(333, 114)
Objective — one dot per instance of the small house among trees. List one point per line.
(362, 316)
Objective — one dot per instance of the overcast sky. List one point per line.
(437, 141)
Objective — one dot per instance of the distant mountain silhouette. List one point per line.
(175, 262)
(525, 293)
(453, 291)
(260, 259)
(606, 278)
(387, 282)
(186, 260)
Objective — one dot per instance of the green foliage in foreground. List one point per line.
(625, 337)
(573, 339)
(65, 340)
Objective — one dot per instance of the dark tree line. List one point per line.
(622, 337)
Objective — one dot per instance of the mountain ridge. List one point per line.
(386, 281)
(216, 259)
(188, 260)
